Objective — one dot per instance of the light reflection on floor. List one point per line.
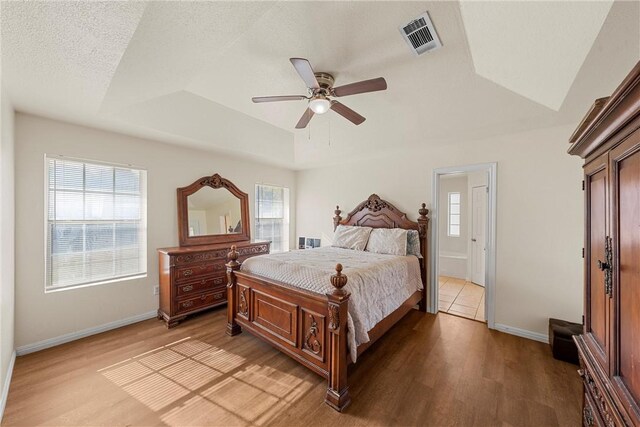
(192, 382)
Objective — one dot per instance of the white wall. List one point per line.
(7, 241)
(540, 213)
(453, 249)
(41, 316)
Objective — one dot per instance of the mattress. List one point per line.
(378, 283)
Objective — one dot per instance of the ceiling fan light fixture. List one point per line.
(319, 104)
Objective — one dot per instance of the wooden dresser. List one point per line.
(193, 278)
(609, 348)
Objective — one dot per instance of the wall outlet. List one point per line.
(156, 290)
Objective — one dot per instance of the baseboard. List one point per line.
(522, 333)
(7, 384)
(52, 342)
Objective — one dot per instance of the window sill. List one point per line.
(88, 285)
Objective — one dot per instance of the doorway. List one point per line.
(463, 236)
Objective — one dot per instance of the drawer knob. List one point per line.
(203, 281)
(187, 288)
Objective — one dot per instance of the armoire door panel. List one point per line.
(597, 300)
(625, 167)
(608, 140)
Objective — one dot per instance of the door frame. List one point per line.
(490, 259)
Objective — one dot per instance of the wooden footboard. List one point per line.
(309, 327)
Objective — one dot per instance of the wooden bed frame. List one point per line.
(311, 327)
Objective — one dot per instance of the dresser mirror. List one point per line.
(212, 210)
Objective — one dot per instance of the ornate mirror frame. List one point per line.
(214, 181)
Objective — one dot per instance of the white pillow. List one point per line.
(392, 241)
(351, 237)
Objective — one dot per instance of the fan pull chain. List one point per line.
(330, 131)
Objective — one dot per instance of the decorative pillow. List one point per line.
(392, 241)
(351, 237)
(413, 243)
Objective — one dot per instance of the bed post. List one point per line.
(338, 390)
(337, 218)
(232, 266)
(423, 230)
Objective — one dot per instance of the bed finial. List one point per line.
(423, 211)
(337, 218)
(338, 280)
(423, 221)
(233, 257)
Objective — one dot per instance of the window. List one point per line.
(453, 229)
(96, 223)
(272, 216)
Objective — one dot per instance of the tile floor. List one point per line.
(462, 298)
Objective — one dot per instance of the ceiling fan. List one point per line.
(321, 90)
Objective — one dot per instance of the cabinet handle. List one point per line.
(606, 266)
(218, 295)
(187, 304)
(187, 272)
(187, 288)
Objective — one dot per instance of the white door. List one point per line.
(478, 233)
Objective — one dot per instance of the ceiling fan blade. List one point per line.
(305, 119)
(347, 113)
(303, 67)
(364, 86)
(257, 99)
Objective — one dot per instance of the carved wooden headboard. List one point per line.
(377, 213)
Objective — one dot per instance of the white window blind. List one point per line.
(96, 223)
(454, 215)
(272, 216)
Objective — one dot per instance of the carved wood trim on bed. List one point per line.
(311, 327)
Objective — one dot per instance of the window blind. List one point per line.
(272, 216)
(96, 223)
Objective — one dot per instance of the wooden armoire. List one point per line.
(609, 141)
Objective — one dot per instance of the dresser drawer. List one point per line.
(204, 284)
(208, 256)
(198, 271)
(202, 301)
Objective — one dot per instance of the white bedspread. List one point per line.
(378, 283)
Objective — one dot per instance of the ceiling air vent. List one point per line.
(420, 34)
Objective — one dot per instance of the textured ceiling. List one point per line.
(535, 49)
(185, 72)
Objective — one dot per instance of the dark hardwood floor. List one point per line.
(440, 371)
